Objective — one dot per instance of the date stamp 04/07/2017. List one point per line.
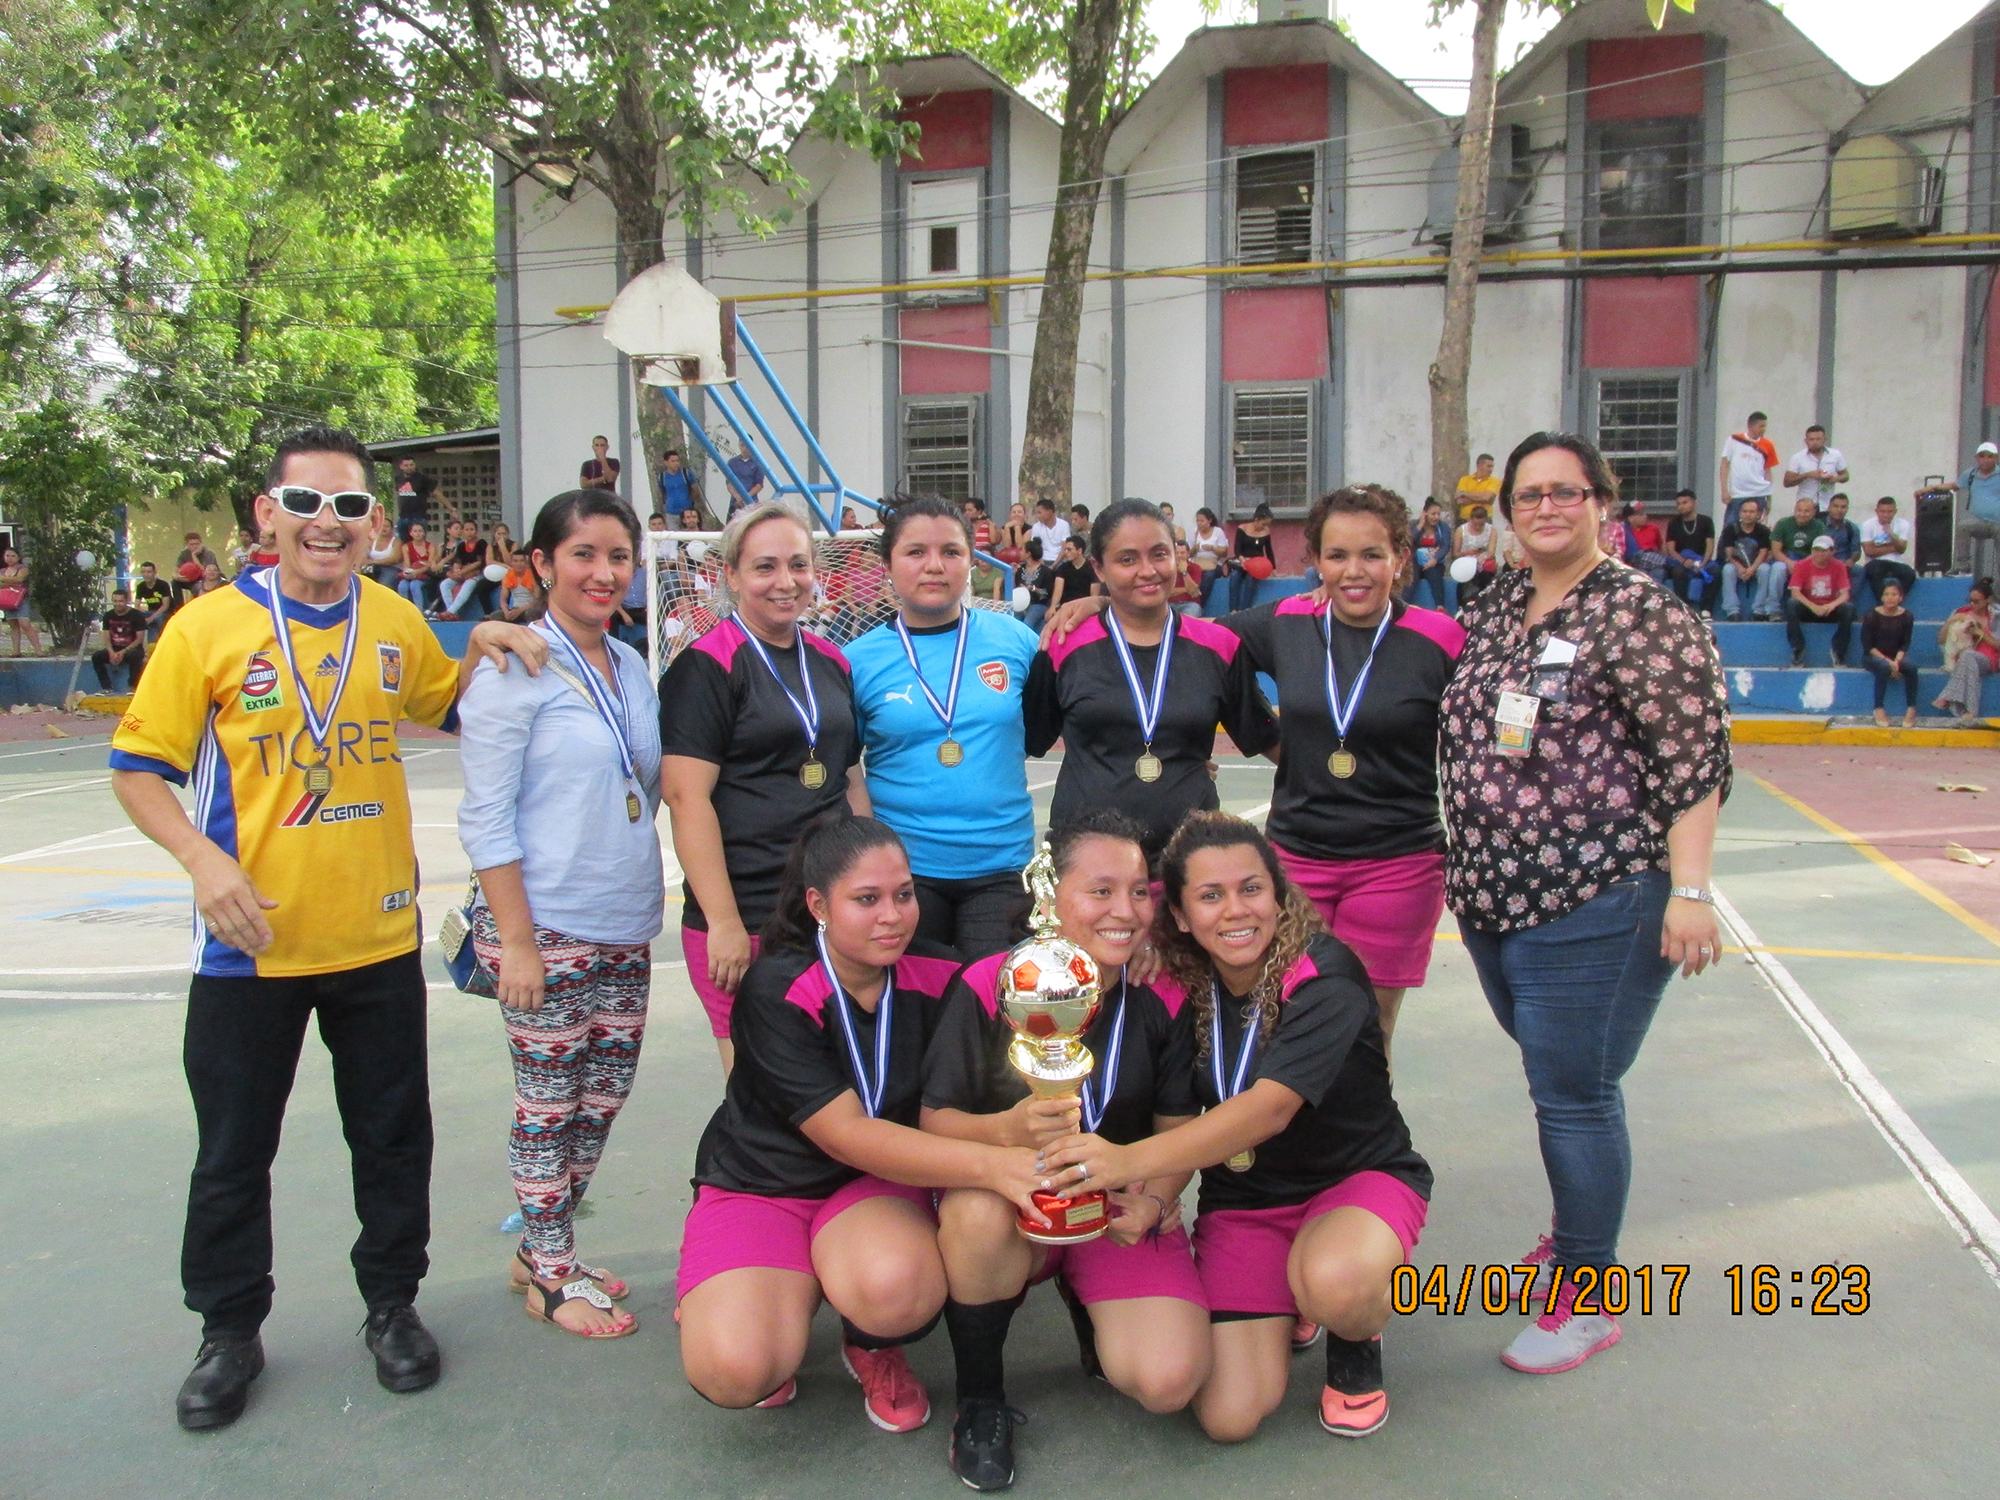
(1824, 1291)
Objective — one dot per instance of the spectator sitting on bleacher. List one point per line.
(154, 598)
(1691, 570)
(1971, 654)
(1819, 592)
(1885, 652)
(1846, 535)
(1792, 538)
(124, 642)
(1885, 539)
(1980, 485)
(1643, 546)
(1749, 567)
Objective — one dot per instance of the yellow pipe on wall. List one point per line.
(1378, 263)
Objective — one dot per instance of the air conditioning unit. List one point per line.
(1511, 174)
(1881, 186)
(1293, 10)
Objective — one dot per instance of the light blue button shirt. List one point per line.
(544, 786)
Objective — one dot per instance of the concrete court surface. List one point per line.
(1748, 1150)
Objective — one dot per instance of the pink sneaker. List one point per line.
(1540, 1258)
(1305, 1333)
(784, 1395)
(1561, 1338)
(891, 1395)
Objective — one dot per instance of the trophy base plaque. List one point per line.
(1072, 1221)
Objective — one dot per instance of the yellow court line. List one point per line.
(1861, 846)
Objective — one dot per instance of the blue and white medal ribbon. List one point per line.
(1342, 762)
(602, 698)
(1148, 766)
(1243, 1160)
(1095, 1102)
(319, 778)
(812, 774)
(950, 752)
(869, 1089)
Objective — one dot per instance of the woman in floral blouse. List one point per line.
(1585, 754)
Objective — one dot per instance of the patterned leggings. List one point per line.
(573, 1065)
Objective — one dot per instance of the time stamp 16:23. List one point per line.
(1824, 1291)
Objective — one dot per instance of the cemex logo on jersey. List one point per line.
(994, 675)
(260, 684)
(312, 808)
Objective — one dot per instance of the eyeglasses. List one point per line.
(1566, 497)
(348, 505)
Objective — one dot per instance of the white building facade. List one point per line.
(1666, 199)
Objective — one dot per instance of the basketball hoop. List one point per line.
(681, 333)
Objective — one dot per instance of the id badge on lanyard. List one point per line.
(1515, 717)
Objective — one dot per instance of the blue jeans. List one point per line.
(1036, 614)
(1433, 579)
(1770, 588)
(1242, 589)
(1577, 994)
(1879, 670)
(416, 590)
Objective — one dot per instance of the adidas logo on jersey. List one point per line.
(329, 666)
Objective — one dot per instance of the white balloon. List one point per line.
(1463, 568)
(672, 628)
(86, 560)
(697, 551)
(496, 572)
(1022, 599)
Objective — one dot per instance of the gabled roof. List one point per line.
(944, 72)
(1893, 106)
(1763, 43)
(1216, 48)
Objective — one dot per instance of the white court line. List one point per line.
(1036, 786)
(91, 995)
(70, 845)
(1975, 1224)
(1255, 813)
(127, 969)
(55, 749)
(68, 786)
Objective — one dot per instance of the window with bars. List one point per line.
(1639, 432)
(1274, 207)
(1271, 440)
(940, 454)
(1644, 196)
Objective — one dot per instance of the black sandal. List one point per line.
(583, 1289)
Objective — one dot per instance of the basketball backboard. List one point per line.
(683, 332)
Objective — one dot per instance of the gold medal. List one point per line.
(812, 775)
(633, 806)
(950, 753)
(319, 779)
(1148, 767)
(1242, 1161)
(1342, 763)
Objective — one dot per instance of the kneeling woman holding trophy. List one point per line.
(812, 1179)
(1089, 1051)
(1311, 1193)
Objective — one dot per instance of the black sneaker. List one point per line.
(982, 1444)
(1798, 658)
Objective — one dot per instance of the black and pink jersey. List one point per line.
(1327, 1048)
(720, 703)
(1389, 806)
(792, 1060)
(1077, 692)
(1145, 1059)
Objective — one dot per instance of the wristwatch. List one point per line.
(1693, 893)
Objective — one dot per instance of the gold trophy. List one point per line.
(1049, 991)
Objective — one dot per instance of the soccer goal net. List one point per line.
(686, 594)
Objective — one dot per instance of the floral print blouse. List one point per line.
(1631, 733)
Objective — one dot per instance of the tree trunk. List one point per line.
(1086, 131)
(1450, 444)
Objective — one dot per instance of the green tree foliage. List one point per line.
(63, 486)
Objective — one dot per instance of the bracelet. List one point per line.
(1154, 1232)
(1693, 893)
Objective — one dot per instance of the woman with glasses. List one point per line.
(759, 738)
(1584, 758)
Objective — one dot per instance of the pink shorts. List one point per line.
(1386, 910)
(1106, 1271)
(1242, 1252)
(729, 1231)
(694, 943)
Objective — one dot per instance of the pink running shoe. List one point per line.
(1305, 1333)
(891, 1395)
(1561, 1338)
(784, 1395)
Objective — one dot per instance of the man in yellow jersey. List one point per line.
(279, 695)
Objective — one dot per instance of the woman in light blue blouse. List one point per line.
(562, 781)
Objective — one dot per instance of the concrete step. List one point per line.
(1818, 729)
(1840, 690)
(1754, 645)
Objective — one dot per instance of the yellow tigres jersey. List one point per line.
(218, 704)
